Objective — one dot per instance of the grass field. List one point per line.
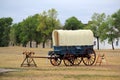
(12, 57)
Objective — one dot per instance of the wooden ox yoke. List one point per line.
(28, 60)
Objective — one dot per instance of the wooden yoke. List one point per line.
(28, 60)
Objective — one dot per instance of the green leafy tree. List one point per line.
(48, 22)
(15, 32)
(5, 24)
(54, 23)
(18, 32)
(111, 30)
(95, 25)
(73, 23)
(108, 31)
(23, 36)
(38, 36)
(28, 27)
(43, 27)
(116, 22)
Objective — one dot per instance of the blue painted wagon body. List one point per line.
(72, 46)
(76, 50)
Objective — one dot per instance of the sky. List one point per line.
(81, 9)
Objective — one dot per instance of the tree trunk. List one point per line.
(30, 44)
(43, 44)
(98, 43)
(36, 44)
(23, 45)
(112, 45)
(13, 44)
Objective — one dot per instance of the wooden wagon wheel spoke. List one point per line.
(90, 58)
(68, 60)
(77, 60)
(55, 60)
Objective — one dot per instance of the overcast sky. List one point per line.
(82, 9)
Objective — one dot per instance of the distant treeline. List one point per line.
(39, 27)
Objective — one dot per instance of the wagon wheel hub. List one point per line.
(55, 60)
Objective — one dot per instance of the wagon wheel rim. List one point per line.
(90, 58)
(68, 60)
(54, 60)
(77, 60)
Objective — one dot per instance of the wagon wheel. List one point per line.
(68, 60)
(55, 60)
(90, 57)
(77, 60)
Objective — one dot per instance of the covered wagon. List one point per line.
(72, 46)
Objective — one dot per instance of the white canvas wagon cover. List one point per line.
(72, 37)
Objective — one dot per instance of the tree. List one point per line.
(36, 28)
(5, 24)
(43, 27)
(73, 23)
(111, 30)
(38, 35)
(13, 34)
(29, 26)
(95, 25)
(29, 31)
(108, 31)
(18, 32)
(54, 23)
(116, 22)
(48, 22)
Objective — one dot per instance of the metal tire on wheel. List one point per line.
(55, 60)
(90, 57)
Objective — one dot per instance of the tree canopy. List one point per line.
(48, 22)
(116, 22)
(5, 24)
(95, 25)
(108, 31)
(73, 23)
(36, 28)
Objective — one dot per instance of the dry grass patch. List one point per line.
(11, 58)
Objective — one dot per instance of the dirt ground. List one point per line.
(12, 57)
